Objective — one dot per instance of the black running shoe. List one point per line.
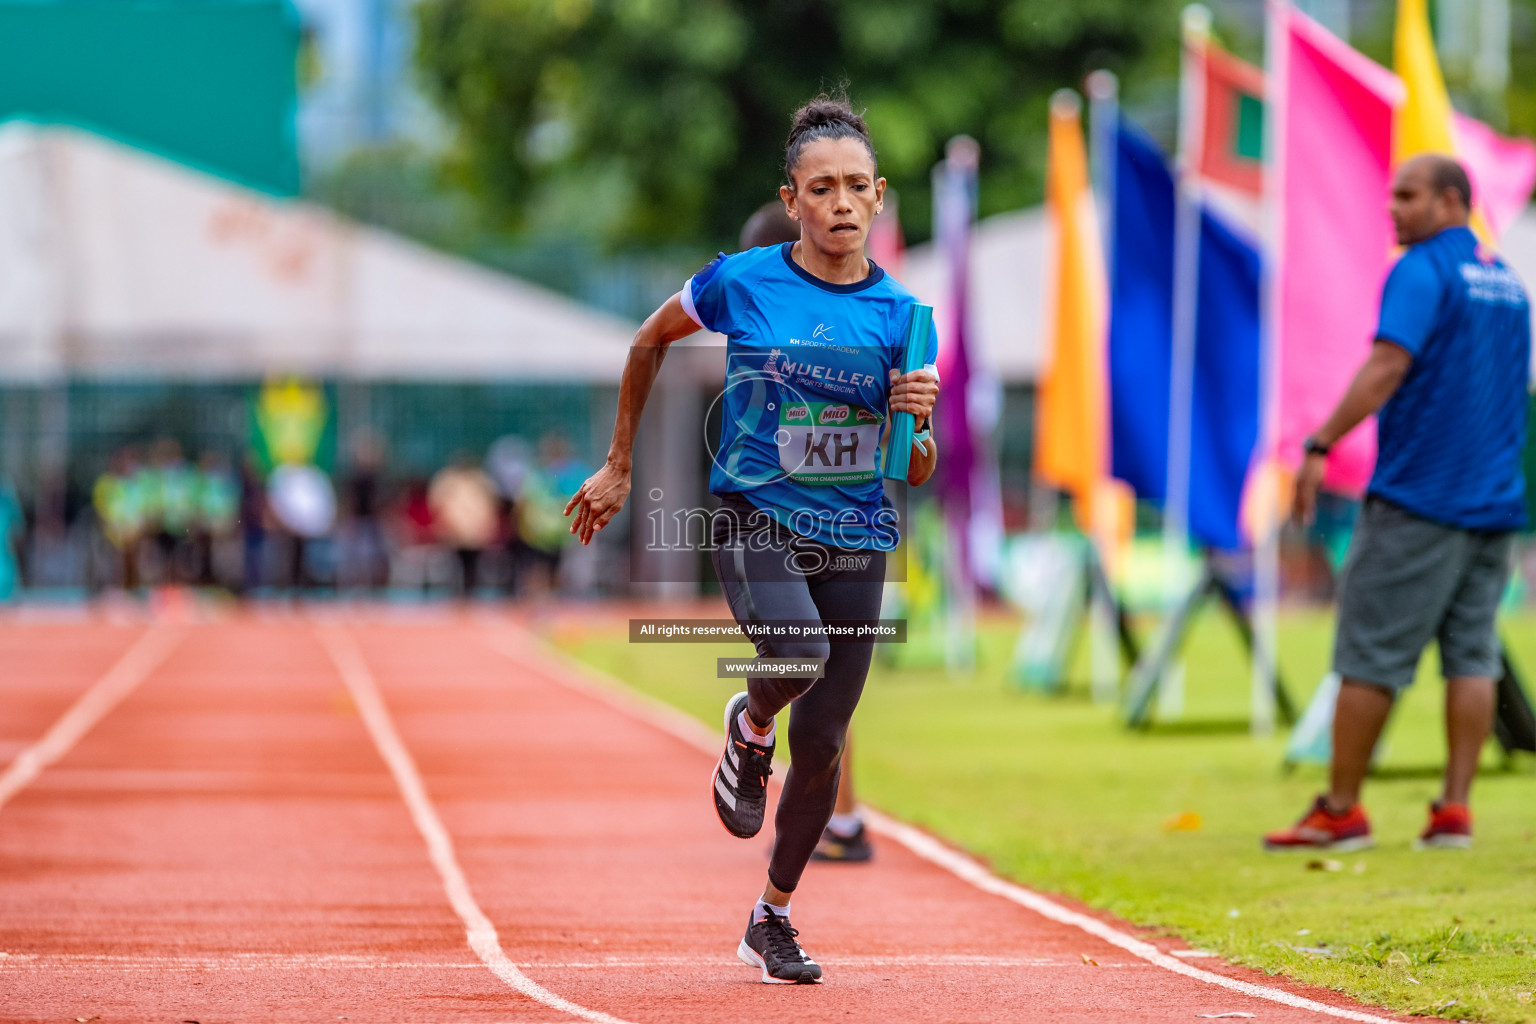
(741, 777)
(854, 849)
(770, 944)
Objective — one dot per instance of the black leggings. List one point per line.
(770, 575)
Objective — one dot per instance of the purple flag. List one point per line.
(970, 399)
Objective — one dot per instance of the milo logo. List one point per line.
(835, 414)
(795, 413)
(865, 416)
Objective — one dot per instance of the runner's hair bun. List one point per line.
(826, 116)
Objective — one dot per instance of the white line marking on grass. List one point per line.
(359, 681)
(618, 694)
(136, 664)
(234, 962)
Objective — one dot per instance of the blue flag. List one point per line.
(1225, 420)
(1226, 405)
(1140, 315)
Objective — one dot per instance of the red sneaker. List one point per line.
(1321, 829)
(1449, 828)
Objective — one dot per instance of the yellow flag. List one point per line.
(1423, 123)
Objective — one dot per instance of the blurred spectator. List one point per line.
(509, 461)
(543, 559)
(253, 526)
(576, 568)
(52, 557)
(171, 497)
(463, 503)
(12, 522)
(303, 505)
(217, 508)
(417, 561)
(566, 471)
(542, 530)
(363, 558)
(121, 504)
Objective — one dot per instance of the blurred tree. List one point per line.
(400, 186)
(642, 121)
(1521, 96)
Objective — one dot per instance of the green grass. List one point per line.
(1053, 793)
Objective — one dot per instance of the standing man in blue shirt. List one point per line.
(1431, 553)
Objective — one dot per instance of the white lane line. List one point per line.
(195, 780)
(106, 693)
(935, 852)
(522, 646)
(340, 962)
(359, 681)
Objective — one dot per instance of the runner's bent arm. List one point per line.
(915, 393)
(599, 499)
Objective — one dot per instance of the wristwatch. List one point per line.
(1313, 446)
(921, 435)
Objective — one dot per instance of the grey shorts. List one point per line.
(1406, 581)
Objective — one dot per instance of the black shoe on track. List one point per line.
(854, 849)
(770, 944)
(741, 776)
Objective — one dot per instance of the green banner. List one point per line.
(292, 424)
(209, 83)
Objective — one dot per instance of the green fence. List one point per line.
(423, 425)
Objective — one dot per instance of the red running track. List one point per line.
(230, 842)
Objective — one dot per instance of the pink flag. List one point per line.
(1335, 242)
(1502, 170)
(886, 246)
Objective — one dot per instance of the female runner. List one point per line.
(815, 333)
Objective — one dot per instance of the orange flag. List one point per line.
(1072, 410)
(1071, 413)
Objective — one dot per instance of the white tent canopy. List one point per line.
(117, 263)
(1008, 266)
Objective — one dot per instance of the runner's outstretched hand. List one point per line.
(598, 500)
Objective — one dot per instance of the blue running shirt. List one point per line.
(806, 383)
(1450, 439)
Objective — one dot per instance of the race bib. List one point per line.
(828, 442)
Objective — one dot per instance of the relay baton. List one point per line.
(899, 456)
